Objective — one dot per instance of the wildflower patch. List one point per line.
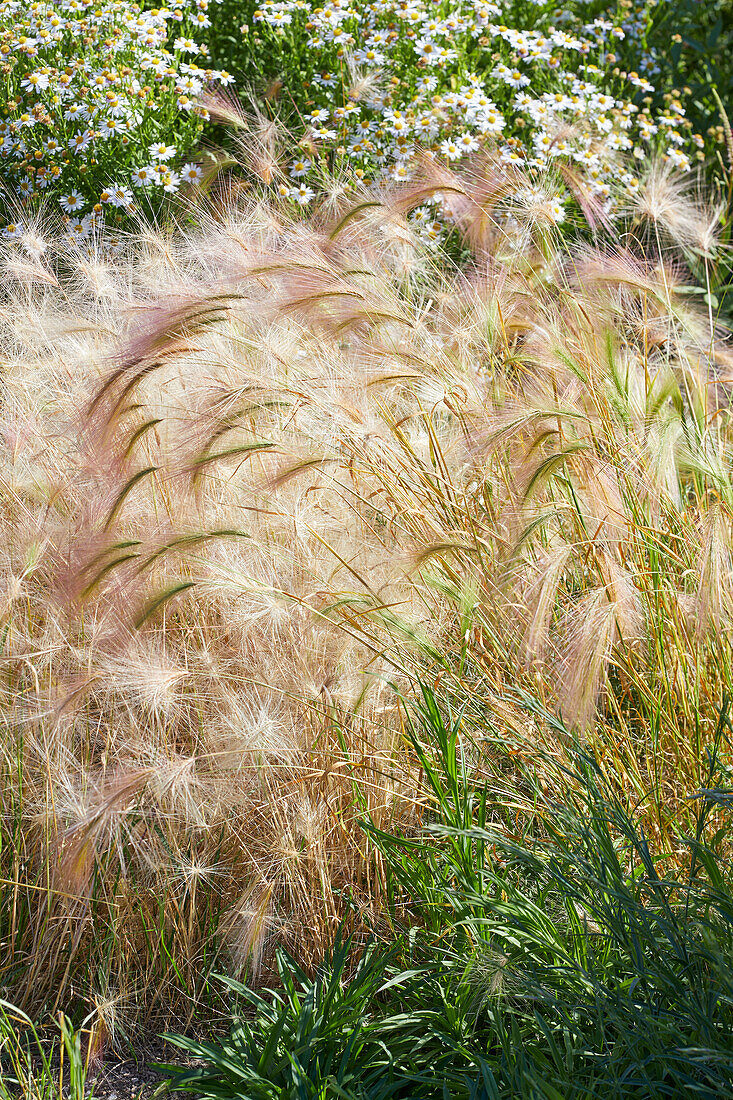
(100, 107)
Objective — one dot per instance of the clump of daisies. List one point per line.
(99, 108)
(374, 82)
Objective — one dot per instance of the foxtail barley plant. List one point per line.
(262, 475)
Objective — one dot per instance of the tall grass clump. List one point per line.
(259, 477)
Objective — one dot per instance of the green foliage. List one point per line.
(304, 1037)
(611, 975)
(569, 962)
(694, 45)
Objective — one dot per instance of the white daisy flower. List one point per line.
(302, 195)
(35, 82)
(143, 177)
(450, 150)
(161, 151)
(72, 201)
(299, 168)
(467, 142)
(192, 173)
(80, 141)
(121, 196)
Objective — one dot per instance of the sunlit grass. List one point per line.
(261, 478)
